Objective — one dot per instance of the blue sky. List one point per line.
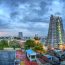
(29, 16)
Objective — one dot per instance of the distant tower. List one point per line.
(20, 35)
(55, 35)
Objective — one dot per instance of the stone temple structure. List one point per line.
(55, 35)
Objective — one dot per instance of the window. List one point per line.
(32, 56)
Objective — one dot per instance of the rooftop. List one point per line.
(31, 52)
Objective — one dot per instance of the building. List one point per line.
(20, 35)
(31, 55)
(7, 57)
(55, 35)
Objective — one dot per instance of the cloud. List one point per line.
(42, 25)
(29, 16)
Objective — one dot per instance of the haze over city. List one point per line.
(28, 16)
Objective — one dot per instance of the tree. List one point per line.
(36, 38)
(36, 47)
(3, 44)
(29, 44)
(39, 48)
(14, 44)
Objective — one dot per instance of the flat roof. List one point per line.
(30, 52)
(48, 56)
(58, 50)
(7, 57)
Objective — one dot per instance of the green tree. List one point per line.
(36, 38)
(36, 47)
(29, 44)
(3, 44)
(14, 44)
(39, 47)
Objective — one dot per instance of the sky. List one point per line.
(28, 16)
